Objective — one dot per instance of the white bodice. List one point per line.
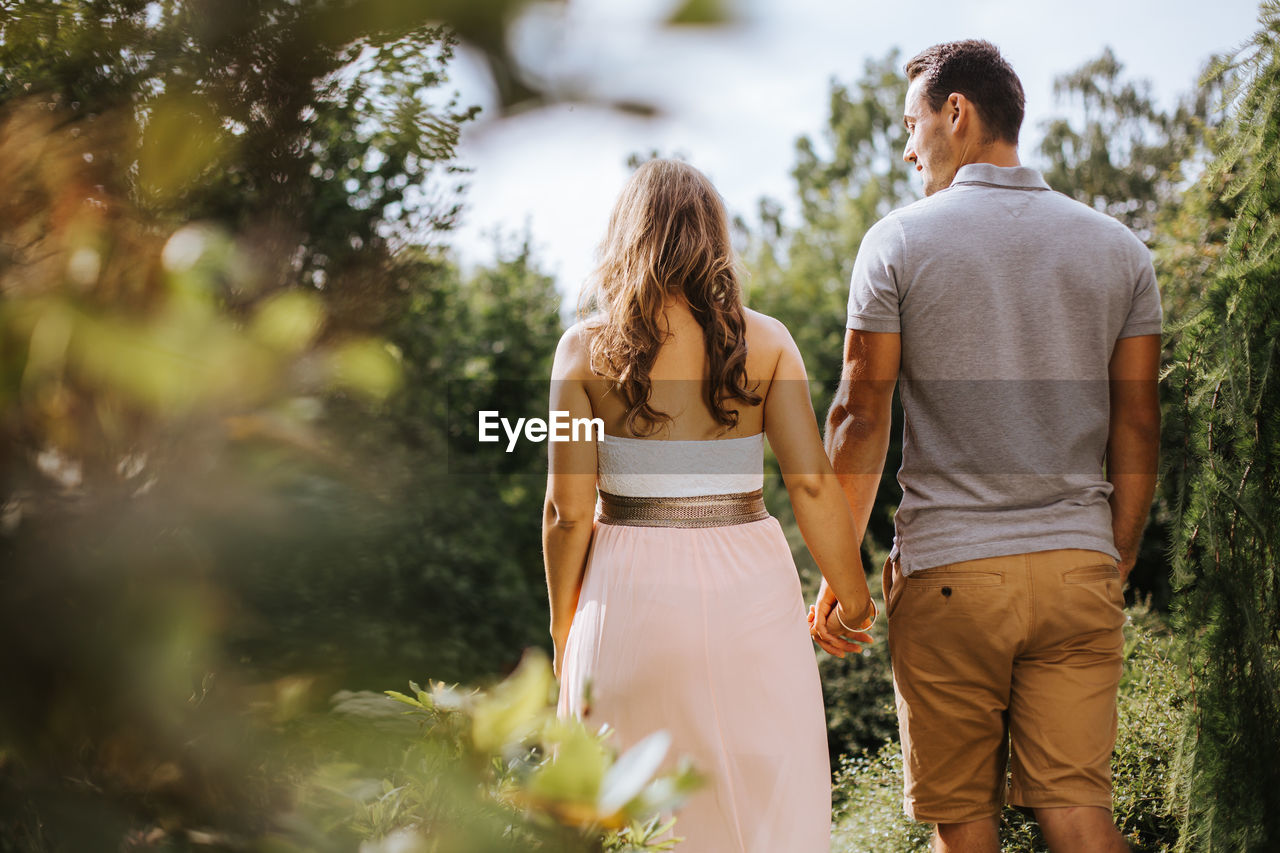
(651, 468)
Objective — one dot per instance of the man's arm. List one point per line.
(857, 434)
(1133, 441)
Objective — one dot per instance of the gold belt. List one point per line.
(700, 511)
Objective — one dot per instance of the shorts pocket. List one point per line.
(887, 586)
(1089, 574)
(961, 591)
(930, 578)
(1106, 577)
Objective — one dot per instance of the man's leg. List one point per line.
(953, 633)
(1062, 714)
(976, 836)
(1080, 829)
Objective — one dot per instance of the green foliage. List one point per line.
(867, 800)
(1119, 152)
(868, 792)
(1226, 477)
(1124, 155)
(857, 691)
(845, 181)
(432, 562)
(481, 770)
(223, 419)
(1152, 701)
(232, 477)
(201, 210)
(323, 142)
(700, 13)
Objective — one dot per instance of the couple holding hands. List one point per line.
(1021, 330)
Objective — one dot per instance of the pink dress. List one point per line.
(700, 630)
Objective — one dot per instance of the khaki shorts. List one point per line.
(1024, 649)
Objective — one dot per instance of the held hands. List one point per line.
(830, 633)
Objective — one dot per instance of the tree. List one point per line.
(229, 340)
(844, 181)
(1127, 157)
(1227, 477)
(1119, 152)
(202, 295)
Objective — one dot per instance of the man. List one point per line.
(1024, 331)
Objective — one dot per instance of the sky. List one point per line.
(732, 100)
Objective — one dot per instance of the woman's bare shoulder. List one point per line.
(573, 353)
(766, 334)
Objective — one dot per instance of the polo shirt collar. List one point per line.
(1011, 177)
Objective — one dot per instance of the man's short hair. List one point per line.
(974, 68)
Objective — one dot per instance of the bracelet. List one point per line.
(871, 605)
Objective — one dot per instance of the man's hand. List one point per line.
(826, 630)
(1125, 566)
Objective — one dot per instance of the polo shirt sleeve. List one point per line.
(1145, 314)
(874, 297)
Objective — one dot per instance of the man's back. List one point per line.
(1021, 330)
(1009, 299)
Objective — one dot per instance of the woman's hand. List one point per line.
(829, 632)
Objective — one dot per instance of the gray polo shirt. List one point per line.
(1009, 298)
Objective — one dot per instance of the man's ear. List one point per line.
(960, 110)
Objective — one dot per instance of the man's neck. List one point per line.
(996, 153)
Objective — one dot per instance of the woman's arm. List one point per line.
(821, 510)
(568, 514)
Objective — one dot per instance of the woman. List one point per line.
(678, 606)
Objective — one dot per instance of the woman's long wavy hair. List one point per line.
(668, 235)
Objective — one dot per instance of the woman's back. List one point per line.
(687, 613)
(690, 617)
(680, 380)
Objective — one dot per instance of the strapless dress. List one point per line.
(691, 619)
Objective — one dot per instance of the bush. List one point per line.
(868, 787)
(480, 770)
